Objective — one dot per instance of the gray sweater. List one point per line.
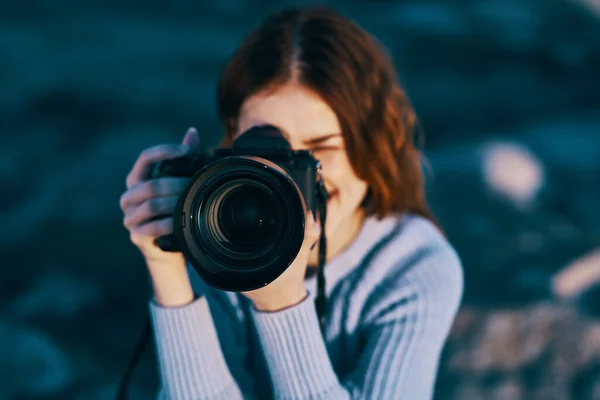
(392, 298)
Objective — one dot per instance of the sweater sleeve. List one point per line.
(190, 347)
(406, 321)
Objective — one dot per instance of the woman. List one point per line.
(394, 283)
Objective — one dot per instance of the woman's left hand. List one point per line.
(288, 289)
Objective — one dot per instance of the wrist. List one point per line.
(171, 283)
(280, 303)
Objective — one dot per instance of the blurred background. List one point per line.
(508, 92)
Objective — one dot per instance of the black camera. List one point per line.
(240, 222)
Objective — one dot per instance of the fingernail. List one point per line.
(191, 129)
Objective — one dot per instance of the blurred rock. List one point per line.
(103, 391)
(57, 295)
(577, 277)
(84, 188)
(593, 4)
(513, 171)
(32, 363)
(538, 352)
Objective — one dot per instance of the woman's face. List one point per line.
(310, 124)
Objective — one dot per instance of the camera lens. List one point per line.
(244, 222)
(247, 216)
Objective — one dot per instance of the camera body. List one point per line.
(265, 142)
(240, 222)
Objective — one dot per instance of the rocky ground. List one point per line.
(508, 93)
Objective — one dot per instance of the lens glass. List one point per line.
(247, 216)
(244, 218)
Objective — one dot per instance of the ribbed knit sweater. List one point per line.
(392, 297)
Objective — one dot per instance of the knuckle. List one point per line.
(130, 180)
(152, 230)
(135, 238)
(165, 226)
(129, 221)
(159, 152)
(147, 153)
(126, 221)
(147, 190)
(124, 200)
(150, 207)
(155, 229)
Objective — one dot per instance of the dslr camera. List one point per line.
(240, 222)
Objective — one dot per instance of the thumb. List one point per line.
(192, 139)
(313, 232)
(316, 232)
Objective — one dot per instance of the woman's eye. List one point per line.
(321, 149)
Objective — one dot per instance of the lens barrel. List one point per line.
(243, 222)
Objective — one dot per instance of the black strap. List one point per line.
(321, 299)
(140, 346)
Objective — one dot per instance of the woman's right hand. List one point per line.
(147, 206)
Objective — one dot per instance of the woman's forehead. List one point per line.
(297, 111)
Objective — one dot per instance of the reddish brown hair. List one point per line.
(329, 54)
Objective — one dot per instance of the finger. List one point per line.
(312, 221)
(146, 190)
(151, 156)
(312, 232)
(315, 227)
(192, 139)
(317, 230)
(153, 229)
(150, 209)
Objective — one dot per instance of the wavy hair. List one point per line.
(331, 55)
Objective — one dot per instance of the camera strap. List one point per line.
(321, 298)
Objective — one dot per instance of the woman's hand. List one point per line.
(288, 289)
(147, 206)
